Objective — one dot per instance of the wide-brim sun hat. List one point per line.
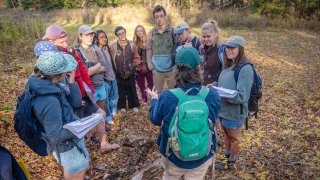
(188, 56)
(235, 41)
(52, 63)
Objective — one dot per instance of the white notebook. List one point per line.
(82, 126)
(226, 93)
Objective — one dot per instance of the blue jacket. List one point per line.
(162, 111)
(74, 98)
(53, 110)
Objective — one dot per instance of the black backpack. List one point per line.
(27, 125)
(256, 90)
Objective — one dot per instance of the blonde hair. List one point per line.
(212, 26)
(142, 43)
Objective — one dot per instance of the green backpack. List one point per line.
(190, 137)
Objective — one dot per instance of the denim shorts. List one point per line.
(232, 124)
(101, 93)
(74, 161)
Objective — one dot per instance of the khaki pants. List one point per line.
(173, 172)
(159, 79)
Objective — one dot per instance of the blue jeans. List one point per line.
(112, 98)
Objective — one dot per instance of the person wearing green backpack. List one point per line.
(187, 116)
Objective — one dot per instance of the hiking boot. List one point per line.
(224, 165)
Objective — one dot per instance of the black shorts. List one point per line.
(87, 109)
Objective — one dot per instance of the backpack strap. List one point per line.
(179, 93)
(204, 91)
(77, 49)
(221, 53)
(238, 69)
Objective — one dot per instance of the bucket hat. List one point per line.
(51, 63)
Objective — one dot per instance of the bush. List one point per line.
(18, 35)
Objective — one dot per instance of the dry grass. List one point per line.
(22, 29)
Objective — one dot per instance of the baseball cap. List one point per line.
(44, 46)
(51, 63)
(188, 56)
(85, 29)
(54, 32)
(181, 27)
(235, 41)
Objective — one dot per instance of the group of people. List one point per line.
(98, 77)
(198, 64)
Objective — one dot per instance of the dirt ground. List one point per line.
(282, 143)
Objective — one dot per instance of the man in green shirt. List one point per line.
(160, 50)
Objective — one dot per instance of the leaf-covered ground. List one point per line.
(283, 143)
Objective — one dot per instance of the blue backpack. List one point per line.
(256, 89)
(27, 125)
(17, 171)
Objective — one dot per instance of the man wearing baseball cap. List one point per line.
(163, 109)
(57, 35)
(186, 38)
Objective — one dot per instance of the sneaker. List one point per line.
(135, 109)
(110, 122)
(123, 110)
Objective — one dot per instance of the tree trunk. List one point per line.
(221, 4)
(212, 4)
(13, 4)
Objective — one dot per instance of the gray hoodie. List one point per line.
(236, 108)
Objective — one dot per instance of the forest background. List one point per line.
(283, 42)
